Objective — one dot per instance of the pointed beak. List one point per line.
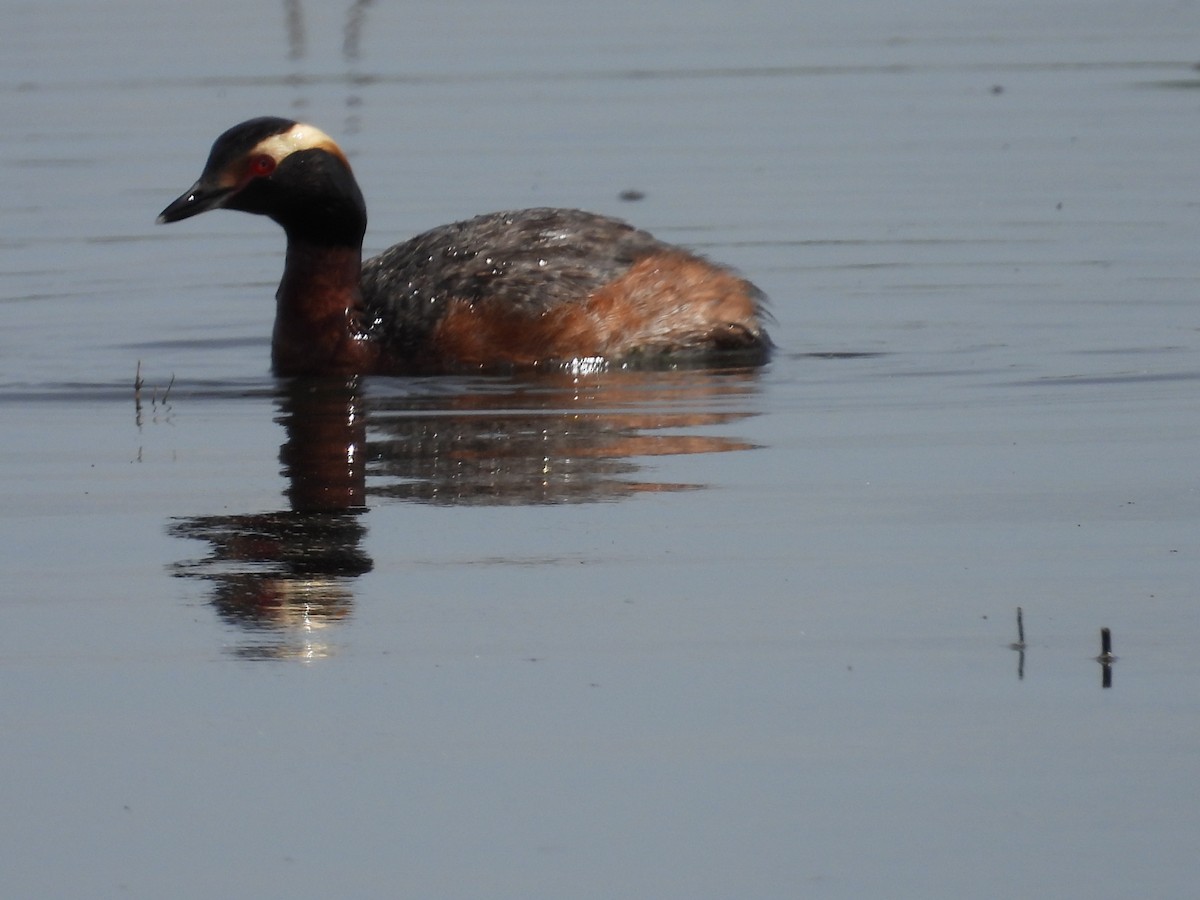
(200, 197)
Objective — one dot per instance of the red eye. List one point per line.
(261, 166)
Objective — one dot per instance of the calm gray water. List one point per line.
(629, 635)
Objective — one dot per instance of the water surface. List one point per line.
(673, 634)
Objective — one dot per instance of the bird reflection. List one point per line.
(553, 441)
(283, 578)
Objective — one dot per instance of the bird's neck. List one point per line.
(318, 315)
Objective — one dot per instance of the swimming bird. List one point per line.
(502, 291)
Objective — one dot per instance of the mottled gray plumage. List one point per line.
(529, 259)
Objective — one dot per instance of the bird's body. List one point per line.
(504, 291)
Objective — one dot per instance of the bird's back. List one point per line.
(535, 275)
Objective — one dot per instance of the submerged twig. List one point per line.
(1106, 658)
(138, 383)
(1106, 654)
(137, 394)
(1020, 644)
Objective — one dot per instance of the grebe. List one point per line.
(507, 290)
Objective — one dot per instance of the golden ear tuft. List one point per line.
(299, 137)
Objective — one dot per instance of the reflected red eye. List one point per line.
(261, 166)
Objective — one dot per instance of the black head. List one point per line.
(292, 172)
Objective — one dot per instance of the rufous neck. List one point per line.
(318, 327)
